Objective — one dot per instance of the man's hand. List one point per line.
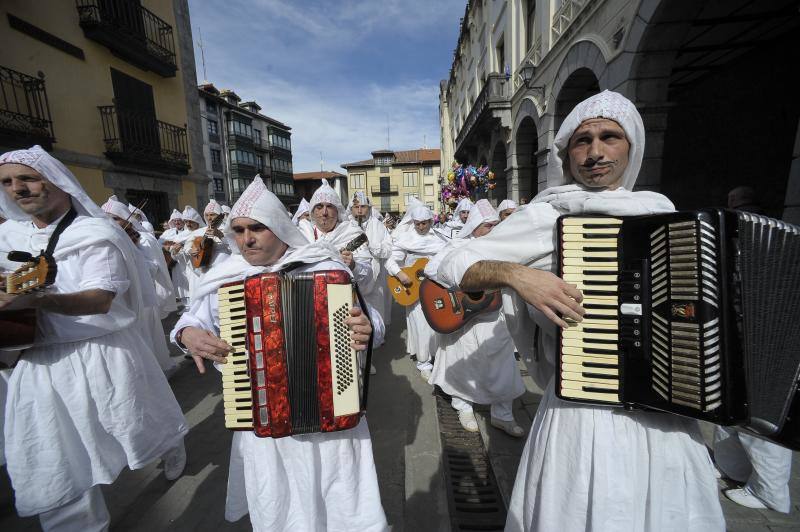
(404, 279)
(176, 247)
(347, 258)
(360, 329)
(210, 233)
(203, 344)
(17, 301)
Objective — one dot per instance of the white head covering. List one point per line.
(136, 210)
(506, 204)
(361, 197)
(464, 205)
(419, 213)
(56, 173)
(118, 209)
(176, 215)
(326, 194)
(481, 213)
(212, 206)
(607, 104)
(189, 214)
(412, 202)
(302, 208)
(225, 209)
(263, 206)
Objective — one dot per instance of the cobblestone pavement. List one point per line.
(407, 449)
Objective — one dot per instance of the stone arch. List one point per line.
(580, 84)
(584, 55)
(525, 148)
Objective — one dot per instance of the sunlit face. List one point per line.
(505, 213)
(358, 210)
(325, 216)
(190, 225)
(422, 227)
(209, 217)
(483, 229)
(32, 193)
(178, 224)
(598, 153)
(463, 215)
(258, 244)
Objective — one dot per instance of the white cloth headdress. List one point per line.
(419, 213)
(118, 209)
(225, 209)
(607, 104)
(482, 212)
(464, 205)
(136, 210)
(361, 197)
(176, 215)
(326, 194)
(264, 207)
(190, 214)
(212, 206)
(55, 172)
(506, 204)
(301, 209)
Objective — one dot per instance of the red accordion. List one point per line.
(292, 370)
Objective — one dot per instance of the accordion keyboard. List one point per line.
(589, 365)
(236, 389)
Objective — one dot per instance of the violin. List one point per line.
(132, 233)
(203, 246)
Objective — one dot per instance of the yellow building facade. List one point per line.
(391, 178)
(109, 88)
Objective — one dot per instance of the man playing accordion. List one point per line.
(324, 480)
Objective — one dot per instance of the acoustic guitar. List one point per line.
(203, 246)
(408, 295)
(18, 327)
(449, 310)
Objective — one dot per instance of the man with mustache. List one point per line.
(586, 467)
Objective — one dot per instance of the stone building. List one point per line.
(391, 178)
(240, 142)
(710, 79)
(109, 89)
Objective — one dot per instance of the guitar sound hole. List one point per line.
(474, 295)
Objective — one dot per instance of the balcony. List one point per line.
(261, 144)
(130, 31)
(138, 139)
(565, 16)
(239, 138)
(492, 109)
(384, 191)
(392, 207)
(24, 111)
(243, 170)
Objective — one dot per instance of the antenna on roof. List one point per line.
(320, 162)
(202, 55)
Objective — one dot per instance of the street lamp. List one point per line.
(526, 74)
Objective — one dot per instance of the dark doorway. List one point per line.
(527, 140)
(136, 115)
(579, 85)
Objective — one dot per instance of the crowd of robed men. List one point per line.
(88, 399)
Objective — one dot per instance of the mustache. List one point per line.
(591, 163)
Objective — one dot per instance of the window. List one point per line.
(243, 157)
(213, 127)
(385, 169)
(428, 170)
(211, 107)
(409, 179)
(283, 189)
(280, 141)
(257, 136)
(282, 165)
(530, 18)
(357, 180)
(410, 195)
(219, 185)
(429, 190)
(216, 157)
(235, 127)
(260, 159)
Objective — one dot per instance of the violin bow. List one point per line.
(139, 208)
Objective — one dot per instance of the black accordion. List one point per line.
(691, 313)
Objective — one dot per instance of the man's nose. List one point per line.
(595, 152)
(18, 186)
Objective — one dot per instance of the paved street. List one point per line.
(407, 449)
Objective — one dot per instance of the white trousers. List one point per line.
(501, 411)
(87, 513)
(765, 466)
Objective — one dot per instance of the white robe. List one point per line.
(323, 481)
(590, 467)
(219, 253)
(88, 398)
(406, 249)
(376, 251)
(180, 282)
(475, 363)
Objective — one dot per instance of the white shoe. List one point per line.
(175, 462)
(425, 374)
(468, 420)
(372, 370)
(509, 427)
(743, 497)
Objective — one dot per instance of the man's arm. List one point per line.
(545, 291)
(85, 303)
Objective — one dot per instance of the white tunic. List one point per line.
(376, 251)
(591, 468)
(88, 398)
(324, 481)
(476, 363)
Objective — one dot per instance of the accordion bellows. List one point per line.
(293, 370)
(689, 312)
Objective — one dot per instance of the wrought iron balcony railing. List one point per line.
(384, 191)
(24, 110)
(138, 139)
(131, 31)
(565, 16)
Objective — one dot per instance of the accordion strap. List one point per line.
(60, 228)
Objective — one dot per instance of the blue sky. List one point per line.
(333, 70)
